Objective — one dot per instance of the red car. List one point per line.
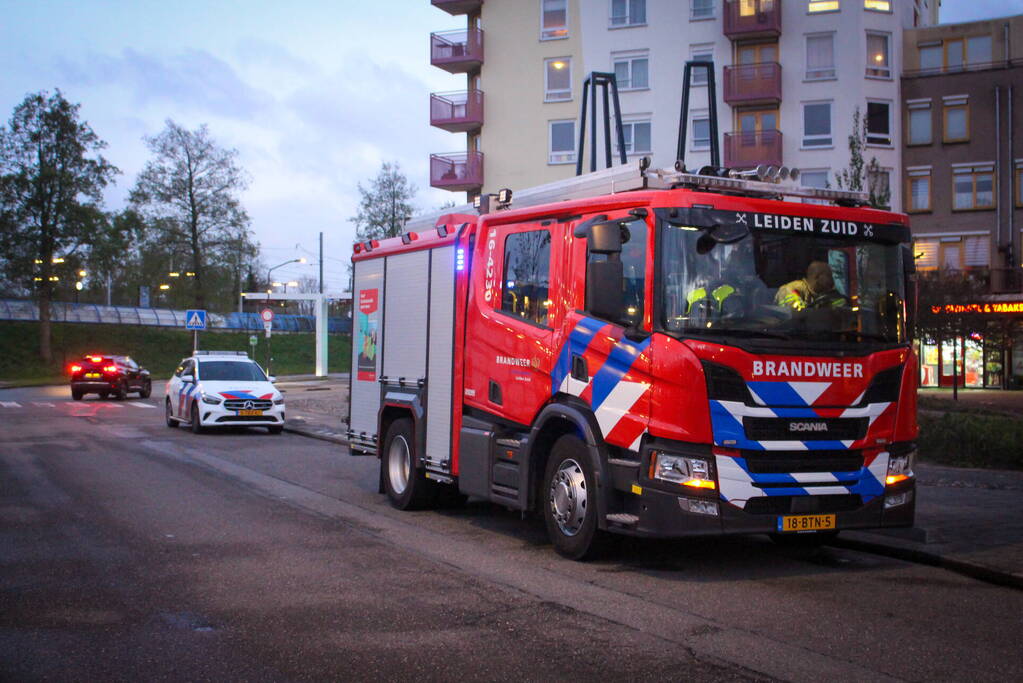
(108, 375)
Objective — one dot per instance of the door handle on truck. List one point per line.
(579, 369)
(494, 393)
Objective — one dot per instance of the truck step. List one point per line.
(619, 462)
(623, 519)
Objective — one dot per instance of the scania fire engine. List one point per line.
(645, 352)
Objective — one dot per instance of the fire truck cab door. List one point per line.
(509, 336)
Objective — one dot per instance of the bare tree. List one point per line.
(51, 196)
(861, 175)
(188, 193)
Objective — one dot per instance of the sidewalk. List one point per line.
(967, 520)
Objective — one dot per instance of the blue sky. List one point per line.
(314, 95)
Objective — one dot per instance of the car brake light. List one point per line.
(109, 368)
(96, 359)
(75, 368)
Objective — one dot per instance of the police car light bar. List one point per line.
(671, 177)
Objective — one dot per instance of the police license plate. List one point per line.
(93, 374)
(806, 522)
(250, 412)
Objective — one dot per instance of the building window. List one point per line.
(879, 187)
(925, 253)
(637, 137)
(561, 142)
(701, 9)
(816, 6)
(632, 72)
(527, 266)
(557, 79)
(973, 188)
(701, 53)
(817, 180)
(879, 123)
(919, 123)
(627, 13)
(930, 57)
(553, 19)
(878, 5)
(957, 120)
(878, 58)
(977, 251)
(978, 50)
(701, 132)
(918, 190)
(820, 56)
(817, 124)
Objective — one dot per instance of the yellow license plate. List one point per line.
(250, 412)
(806, 522)
(93, 374)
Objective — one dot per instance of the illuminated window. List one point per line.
(629, 13)
(558, 79)
(820, 56)
(925, 253)
(822, 6)
(747, 8)
(918, 190)
(877, 5)
(919, 120)
(553, 19)
(878, 59)
(956, 119)
(561, 142)
(973, 187)
(632, 72)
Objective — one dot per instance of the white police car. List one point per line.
(223, 389)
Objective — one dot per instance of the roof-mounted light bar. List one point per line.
(767, 183)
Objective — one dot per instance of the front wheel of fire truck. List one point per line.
(569, 501)
(407, 487)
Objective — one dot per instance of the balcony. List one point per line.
(458, 171)
(456, 7)
(753, 84)
(752, 19)
(457, 112)
(457, 51)
(746, 150)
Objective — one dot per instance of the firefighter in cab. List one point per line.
(816, 290)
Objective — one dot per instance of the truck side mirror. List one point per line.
(605, 238)
(604, 295)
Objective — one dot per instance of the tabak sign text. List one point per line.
(989, 308)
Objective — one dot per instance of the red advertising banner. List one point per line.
(366, 326)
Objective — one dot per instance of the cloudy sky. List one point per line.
(314, 95)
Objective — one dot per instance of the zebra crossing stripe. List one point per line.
(42, 404)
(10, 404)
(141, 405)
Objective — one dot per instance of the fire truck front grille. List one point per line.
(784, 462)
(783, 505)
(242, 404)
(805, 429)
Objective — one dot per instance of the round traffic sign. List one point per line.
(267, 314)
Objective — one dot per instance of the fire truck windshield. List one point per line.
(791, 285)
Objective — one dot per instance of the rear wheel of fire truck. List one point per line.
(406, 487)
(569, 502)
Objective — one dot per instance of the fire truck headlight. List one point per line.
(680, 469)
(900, 467)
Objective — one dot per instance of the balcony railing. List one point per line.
(457, 112)
(456, 7)
(753, 84)
(746, 150)
(458, 171)
(752, 18)
(457, 51)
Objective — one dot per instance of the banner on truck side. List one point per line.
(366, 331)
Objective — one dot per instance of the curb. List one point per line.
(969, 569)
(317, 433)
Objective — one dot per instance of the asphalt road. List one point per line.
(129, 550)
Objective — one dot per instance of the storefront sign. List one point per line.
(992, 308)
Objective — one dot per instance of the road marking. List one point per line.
(43, 404)
(10, 404)
(141, 405)
(108, 404)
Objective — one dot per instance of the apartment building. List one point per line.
(790, 74)
(963, 178)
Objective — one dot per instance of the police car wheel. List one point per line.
(275, 429)
(171, 422)
(569, 500)
(406, 486)
(197, 427)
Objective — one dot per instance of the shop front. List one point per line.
(988, 356)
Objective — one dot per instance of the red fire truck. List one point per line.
(652, 353)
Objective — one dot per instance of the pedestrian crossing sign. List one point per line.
(195, 320)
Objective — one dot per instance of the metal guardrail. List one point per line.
(17, 309)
